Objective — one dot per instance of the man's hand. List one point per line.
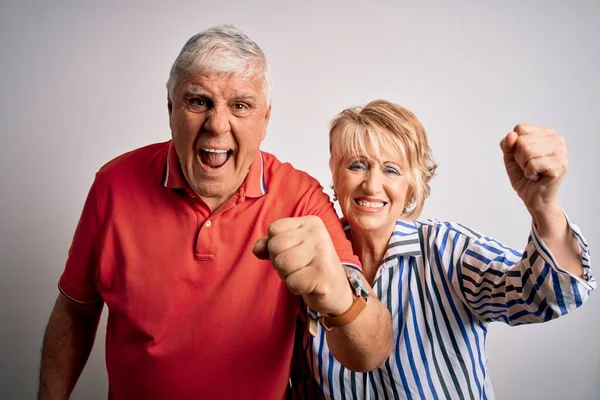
(302, 253)
(536, 162)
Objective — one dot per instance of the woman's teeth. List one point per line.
(370, 204)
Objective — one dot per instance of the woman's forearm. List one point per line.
(552, 227)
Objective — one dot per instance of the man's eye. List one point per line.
(198, 102)
(240, 106)
(357, 165)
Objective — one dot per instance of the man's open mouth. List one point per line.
(214, 158)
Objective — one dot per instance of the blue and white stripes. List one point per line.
(443, 283)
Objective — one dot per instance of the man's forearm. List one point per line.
(366, 342)
(67, 345)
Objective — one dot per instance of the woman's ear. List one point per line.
(410, 201)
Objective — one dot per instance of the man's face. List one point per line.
(217, 122)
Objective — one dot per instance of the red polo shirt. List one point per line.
(192, 312)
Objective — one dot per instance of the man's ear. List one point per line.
(267, 118)
(169, 105)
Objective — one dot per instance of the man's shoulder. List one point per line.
(136, 166)
(283, 175)
(140, 159)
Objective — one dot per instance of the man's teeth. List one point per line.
(215, 150)
(371, 204)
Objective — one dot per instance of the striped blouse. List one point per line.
(443, 284)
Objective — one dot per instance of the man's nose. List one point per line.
(217, 121)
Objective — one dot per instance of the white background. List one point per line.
(83, 82)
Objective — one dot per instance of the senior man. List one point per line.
(166, 240)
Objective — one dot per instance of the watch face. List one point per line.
(357, 281)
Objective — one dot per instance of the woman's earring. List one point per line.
(335, 198)
(410, 206)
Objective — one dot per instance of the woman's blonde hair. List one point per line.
(380, 125)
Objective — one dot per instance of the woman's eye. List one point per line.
(391, 171)
(357, 165)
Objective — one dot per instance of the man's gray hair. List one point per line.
(222, 49)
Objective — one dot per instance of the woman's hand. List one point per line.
(536, 161)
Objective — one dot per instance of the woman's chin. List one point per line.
(369, 224)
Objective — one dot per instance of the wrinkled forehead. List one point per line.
(225, 84)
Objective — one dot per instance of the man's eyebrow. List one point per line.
(243, 95)
(196, 91)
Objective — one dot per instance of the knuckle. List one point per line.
(312, 220)
(520, 128)
(273, 246)
(562, 140)
(279, 260)
(520, 143)
(272, 229)
(527, 151)
(294, 285)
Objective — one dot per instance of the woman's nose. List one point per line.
(372, 182)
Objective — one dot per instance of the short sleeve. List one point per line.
(78, 281)
(318, 203)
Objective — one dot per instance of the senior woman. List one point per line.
(442, 282)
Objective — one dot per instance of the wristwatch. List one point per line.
(360, 302)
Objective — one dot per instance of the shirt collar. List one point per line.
(253, 186)
(404, 242)
(173, 176)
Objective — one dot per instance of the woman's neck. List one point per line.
(370, 247)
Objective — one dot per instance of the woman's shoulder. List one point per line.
(432, 226)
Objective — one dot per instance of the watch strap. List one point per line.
(359, 304)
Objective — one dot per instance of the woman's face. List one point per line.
(372, 192)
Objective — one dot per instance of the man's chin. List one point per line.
(211, 188)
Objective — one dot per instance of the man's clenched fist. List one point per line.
(302, 253)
